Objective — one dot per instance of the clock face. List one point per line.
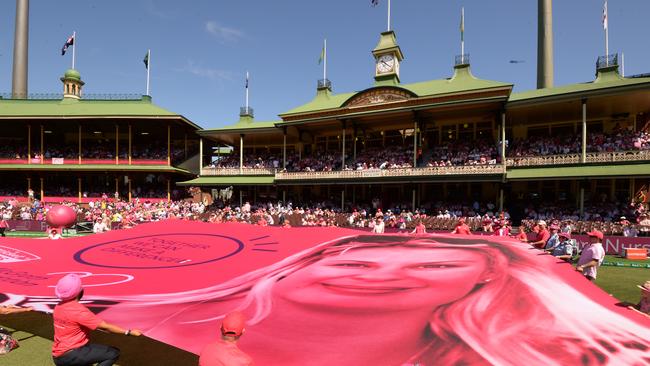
(385, 63)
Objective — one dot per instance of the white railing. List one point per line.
(401, 172)
(575, 158)
(618, 156)
(237, 171)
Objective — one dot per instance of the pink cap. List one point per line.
(233, 323)
(566, 235)
(596, 233)
(68, 287)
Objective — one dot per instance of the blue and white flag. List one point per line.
(67, 44)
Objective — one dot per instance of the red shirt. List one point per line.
(420, 229)
(462, 229)
(72, 324)
(222, 353)
(543, 235)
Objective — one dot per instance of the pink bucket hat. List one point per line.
(68, 287)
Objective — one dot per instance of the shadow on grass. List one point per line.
(135, 351)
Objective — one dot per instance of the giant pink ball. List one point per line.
(60, 216)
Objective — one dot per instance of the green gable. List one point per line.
(461, 81)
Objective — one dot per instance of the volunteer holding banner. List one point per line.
(72, 324)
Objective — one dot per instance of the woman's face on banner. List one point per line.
(389, 278)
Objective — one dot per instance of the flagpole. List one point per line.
(388, 15)
(247, 92)
(74, 45)
(148, 68)
(325, 61)
(606, 24)
(462, 35)
(622, 64)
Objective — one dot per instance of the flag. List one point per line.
(605, 16)
(322, 55)
(67, 44)
(462, 24)
(374, 2)
(146, 60)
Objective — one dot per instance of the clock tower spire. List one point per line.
(388, 55)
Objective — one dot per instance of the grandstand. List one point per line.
(410, 145)
(74, 147)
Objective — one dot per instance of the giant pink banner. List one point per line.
(326, 296)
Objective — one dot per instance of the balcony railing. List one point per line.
(59, 96)
(324, 84)
(403, 172)
(575, 158)
(527, 161)
(84, 161)
(236, 171)
(246, 111)
(462, 59)
(607, 61)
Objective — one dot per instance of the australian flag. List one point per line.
(67, 44)
(374, 2)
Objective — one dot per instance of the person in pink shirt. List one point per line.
(542, 235)
(592, 256)
(224, 351)
(419, 228)
(73, 322)
(461, 228)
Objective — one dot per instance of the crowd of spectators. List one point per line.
(96, 150)
(477, 152)
(479, 217)
(390, 157)
(482, 151)
(619, 139)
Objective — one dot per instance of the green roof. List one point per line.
(72, 74)
(80, 108)
(461, 81)
(245, 123)
(605, 80)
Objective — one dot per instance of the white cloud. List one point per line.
(207, 72)
(222, 33)
(153, 9)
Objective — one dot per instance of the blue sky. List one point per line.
(201, 49)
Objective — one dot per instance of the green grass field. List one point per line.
(39, 234)
(34, 330)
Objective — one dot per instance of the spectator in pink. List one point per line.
(73, 322)
(224, 351)
(592, 256)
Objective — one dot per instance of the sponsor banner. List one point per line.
(616, 244)
(334, 295)
(27, 225)
(58, 161)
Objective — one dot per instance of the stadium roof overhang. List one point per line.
(256, 133)
(72, 109)
(608, 98)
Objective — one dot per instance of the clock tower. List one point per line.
(388, 55)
